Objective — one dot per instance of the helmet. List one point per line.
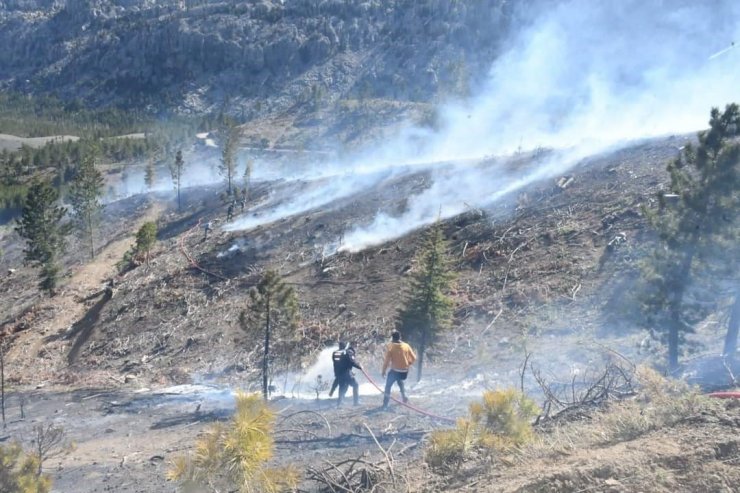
(342, 345)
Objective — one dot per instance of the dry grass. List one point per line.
(660, 403)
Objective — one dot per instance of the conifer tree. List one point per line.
(427, 309)
(273, 307)
(228, 155)
(18, 471)
(705, 180)
(149, 173)
(248, 168)
(235, 456)
(176, 170)
(84, 195)
(145, 239)
(41, 226)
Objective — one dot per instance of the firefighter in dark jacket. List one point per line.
(344, 360)
(336, 358)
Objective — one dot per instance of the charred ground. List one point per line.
(546, 272)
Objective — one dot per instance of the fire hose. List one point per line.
(725, 395)
(406, 404)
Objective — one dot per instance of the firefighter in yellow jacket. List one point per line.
(400, 357)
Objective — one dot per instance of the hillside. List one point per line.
(531, 259)
(252, 58)
(539, 270)
(588, 227)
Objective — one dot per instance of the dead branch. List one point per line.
(492, 321)
(388, 457)
(323, 418)
(594, 388)
(523, 370)
(358, 475)
(729, 371)
(349, 476)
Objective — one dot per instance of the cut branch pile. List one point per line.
(589, 389)
(359, 475)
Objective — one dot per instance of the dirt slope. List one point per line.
(542, 271)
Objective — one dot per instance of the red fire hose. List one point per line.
(726, 395)
(406, 404)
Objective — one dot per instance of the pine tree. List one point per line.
(234, 457)
(145, 239)
(427, 309)
(150, 173)
(690, 231)
(84, 195)
(176, 169)
(248, 168)
(228, 155)
(18, 471)
(41, 226)
(273, 307)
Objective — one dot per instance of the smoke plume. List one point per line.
(582, 78)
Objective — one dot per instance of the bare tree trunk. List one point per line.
(265, 362)
(422, 348)
(90, 232)
(732, 328)
(677, 303)
(2, 379)
(673, 331)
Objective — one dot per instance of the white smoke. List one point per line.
(319, 377)
(305, 195)
(199, 169)
(586, 76)
(583, 77)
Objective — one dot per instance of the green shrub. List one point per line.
(232, 457)
(498, 423)
(18, 472)
(448, 449)
(504, 416)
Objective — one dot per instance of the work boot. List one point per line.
(405, 399)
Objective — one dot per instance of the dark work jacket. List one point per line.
(344, 361)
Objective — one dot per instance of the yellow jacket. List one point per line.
(400, 356)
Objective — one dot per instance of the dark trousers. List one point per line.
(344, 383)
(395, 377)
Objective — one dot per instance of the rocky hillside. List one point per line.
(251, 57)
